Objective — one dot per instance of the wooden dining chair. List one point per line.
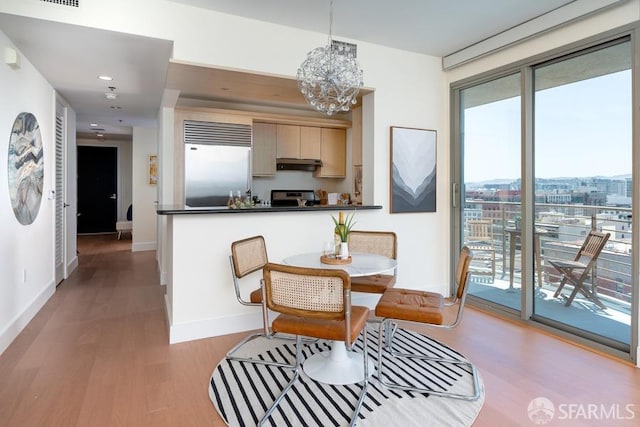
(409, 306)
(576, 271)
(249, 256)
(479, 239)
(316, 303)
(373, 242)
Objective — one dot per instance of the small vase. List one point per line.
(344, 250)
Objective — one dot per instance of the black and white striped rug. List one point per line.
(242, 392)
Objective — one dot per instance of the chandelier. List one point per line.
(330, 77)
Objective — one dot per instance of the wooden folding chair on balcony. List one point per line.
(576, 271)
(480, 240)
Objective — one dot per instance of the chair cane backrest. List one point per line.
(248, 255)
(373, 242)
(307, 292)
(462, 271)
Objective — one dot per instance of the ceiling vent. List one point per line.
(349, 50)
(196, 132)
(72, 3)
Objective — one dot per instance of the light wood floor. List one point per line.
(97, 355)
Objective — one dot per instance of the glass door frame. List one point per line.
(525, 68)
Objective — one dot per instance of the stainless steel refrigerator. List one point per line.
(216, 166)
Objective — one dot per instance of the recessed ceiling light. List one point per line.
(105, 78)
(93, 124)
(99, 134)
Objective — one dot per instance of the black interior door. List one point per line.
(97, 182)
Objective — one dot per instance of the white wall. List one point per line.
(23, 248)
(409, 91)
(145, 143)
(166, 119)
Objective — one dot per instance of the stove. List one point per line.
(290, 197)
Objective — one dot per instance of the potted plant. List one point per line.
(342, 229)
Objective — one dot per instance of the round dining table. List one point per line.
(362, 264)
(340, 366)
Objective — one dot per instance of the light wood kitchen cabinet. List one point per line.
(264, 149)
(333, 153)
(288, 145)
(310, 139)
(298, 142)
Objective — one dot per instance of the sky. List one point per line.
(581, 129)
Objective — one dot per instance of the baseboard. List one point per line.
(163, 275)
(144, 246)
(167, 311)
(213, 327)
(72, 265)
(21, 320)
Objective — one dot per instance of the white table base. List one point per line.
(338, 366)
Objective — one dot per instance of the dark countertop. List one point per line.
(185, 210)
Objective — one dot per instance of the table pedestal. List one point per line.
(338, 366)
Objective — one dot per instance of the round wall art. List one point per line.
(25, 168)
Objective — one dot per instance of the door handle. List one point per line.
(113, 197)
(454, 194)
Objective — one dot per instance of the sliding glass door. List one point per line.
(490, 123)
(583, 165)
(543, 158)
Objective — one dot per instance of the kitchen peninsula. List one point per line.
(200, 298)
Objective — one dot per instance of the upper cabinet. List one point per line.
(264, 149)
(288, 145)
(298, 142)
(310, 142)
(333, 153)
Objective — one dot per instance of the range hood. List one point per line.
(297, 164)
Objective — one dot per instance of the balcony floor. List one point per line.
(613, 322)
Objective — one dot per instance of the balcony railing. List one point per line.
(562, 229)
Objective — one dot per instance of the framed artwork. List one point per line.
(25, 168)
(413, 170)
(153, 169)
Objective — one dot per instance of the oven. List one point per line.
(291, 197)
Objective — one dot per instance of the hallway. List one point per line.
(98, 353)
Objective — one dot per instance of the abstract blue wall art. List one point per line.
(413, 170)
(25, 168)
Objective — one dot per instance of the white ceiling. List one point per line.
(71, 57)
(432, 27)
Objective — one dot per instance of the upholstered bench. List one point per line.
(123, 227)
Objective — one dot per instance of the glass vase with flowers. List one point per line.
(343, 226)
